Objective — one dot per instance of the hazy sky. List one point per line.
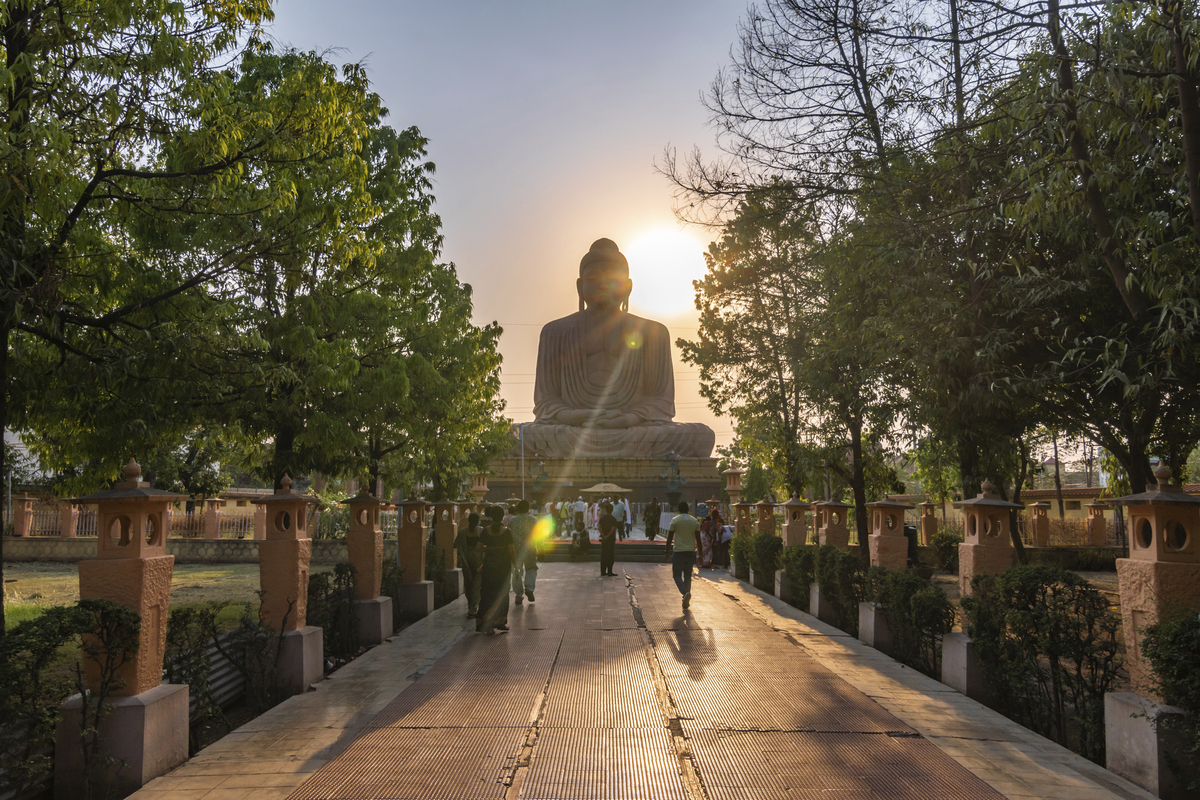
(545, 120)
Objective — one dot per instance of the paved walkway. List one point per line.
(605, 688)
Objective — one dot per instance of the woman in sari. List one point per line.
(496, 576)
(709, 535)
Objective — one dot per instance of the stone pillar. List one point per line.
(987, 546)
(210, 523)
(733, 488)
(445, 531)
(68, 516)
(764, 517)
(887, 543)
(283, 562)
(364, 546)
(1041, 524)
(1096, 527)
(146, 729)
(833, 530)
(479, 487)
(22, 514)
(260, 523)
(929, 525)
(417, 599)
(743, 523)
(795, 532)
(1160, 580)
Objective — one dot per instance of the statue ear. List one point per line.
(579, 291)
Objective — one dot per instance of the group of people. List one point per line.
(497, 557)
(498, 552)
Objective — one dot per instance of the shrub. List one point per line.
(185, 661)
(435, 570)
(739, 551)
(331, 606)
(918, 614)
(764, 560)
(391, 579)
(798, 563)
(1048, 645)
(253, 650)
(1173, 650)
(841, 576)
(945, 550)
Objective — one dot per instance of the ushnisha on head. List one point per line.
(604, 278)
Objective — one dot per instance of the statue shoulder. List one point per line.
(651, 330)
(563, 324)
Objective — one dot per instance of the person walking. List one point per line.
(709, 536)
(628, 518)
(650, 517)
(682, 534)
(498, 558)
(470, 556)
(525, 567)
(618, 513)
(608, 526)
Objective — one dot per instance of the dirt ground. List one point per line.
(48, 584)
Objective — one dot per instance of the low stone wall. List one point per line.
(186, 551)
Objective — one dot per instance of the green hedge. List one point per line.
(798, 563)
(1173, 649)
(1048, 645)
(764, 560)
(918, 614)
(739, 551)
(331, 607)
(841, 577)
(945, 550)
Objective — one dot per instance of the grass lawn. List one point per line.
(31, 586)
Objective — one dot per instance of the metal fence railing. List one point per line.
(236, 526)
(185, 525)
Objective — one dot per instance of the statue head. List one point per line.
(604, 277)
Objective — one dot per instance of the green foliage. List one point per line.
(1048, 645)
(918, 615)
(253, 649)
(185, 661)
(392, 579)
(331, 606)
(109, 641)
(841, 578)
(764, 559)
(740, 548)
(935, 468)
(945, 549)
(32, 688)
(1173, 650)
(799, 564)
(435, 570)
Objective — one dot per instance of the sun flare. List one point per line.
(663, 263)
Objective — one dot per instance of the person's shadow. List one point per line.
(696, 648)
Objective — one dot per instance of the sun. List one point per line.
(663, 263)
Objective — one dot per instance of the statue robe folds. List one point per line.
(625, 413)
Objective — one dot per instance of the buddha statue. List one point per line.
(604, 386)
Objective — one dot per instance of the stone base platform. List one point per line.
(568, 477)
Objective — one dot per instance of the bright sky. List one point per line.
(545, 119)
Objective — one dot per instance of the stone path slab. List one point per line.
(607, 688)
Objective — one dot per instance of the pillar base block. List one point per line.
(781, 584)
(416, 600)
(820, 610)
(455, 585)
(762, 582)
(145, 735)
(302, 658)
(374, 620)
(961, 669)
(1144, 750)
(873, 627)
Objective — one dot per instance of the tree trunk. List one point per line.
(1062, 514)
(858, 483)
(5, 511)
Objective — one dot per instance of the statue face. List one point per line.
(604, 286)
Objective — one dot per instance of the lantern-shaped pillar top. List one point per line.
(887, 516)
(287, 511)
(987, 517)
(1166, 521)
(364, 511)
(131, 517)
(1039, 509)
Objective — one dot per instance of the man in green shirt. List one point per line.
(683, 534)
